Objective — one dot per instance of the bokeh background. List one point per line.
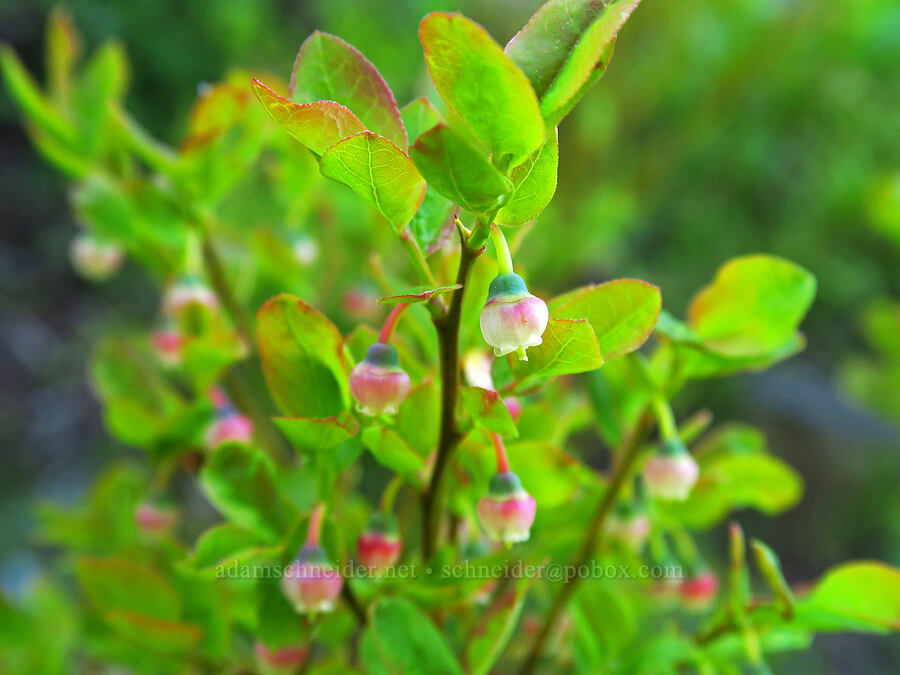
(721, 128)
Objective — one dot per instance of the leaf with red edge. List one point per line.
(317, 125)
(379, 172)
(482, 86)
(418, 294)
(488, 410)
(329, 69)
(568, 347)
(303, 358)
(622, 312)
(318, 434)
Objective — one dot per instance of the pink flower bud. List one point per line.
(514, 406)
(512, 318)
(167, 344)
(378, 383)
(153, 518)
(699, 591)
(507, 511)
(187, 292)
(378, 548)
(672, 472)
(231, 426)
(94, 258)
(628, 525)
(286, 657)
(310, 583)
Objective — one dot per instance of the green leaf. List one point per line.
(63, 50)
(568, 347)
(327, 68)
(302, 358)
(277, 623)
(482, 86)
(379, 172)
(458, 171)
(226, 544)
(495, 629)
(434, 221)
(311, 435)
(154, 634)
(419, 116)
(26, 93)
(317, 125)
(550, 475)
(622, 312)
(754, 305)
(239, 481)
(418, 294)
(488, 410)
(418, 420)
(565, 47)
(729, 482)
(534, 184)
(406, 641)
(863, 595)
(123, 585)
(605, 624)
(390, 450)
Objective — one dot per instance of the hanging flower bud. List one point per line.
(378, 383)
(311, 583)
(186, 292)
(672, 472)
(507, 511)
(287, 658)
(306, 250)
(378, 548)
(94, 258)
(154, 518)
(512, 319)
(514, 406)
(167, 344)
(230, 426)
(698, 591)
(629, 525)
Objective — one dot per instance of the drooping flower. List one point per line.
(378, 548)
(311, 583)
(378, 383)
(671, 472)
(699, 590)
(94, 258)
(153, 517)
(513, 319)
(507, 511)
(229, 426)
(288, 658)
(186, 292)
(629, 525)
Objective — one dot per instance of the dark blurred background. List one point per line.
(719, 129)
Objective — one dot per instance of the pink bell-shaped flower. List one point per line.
(152, 517)
(699, 590)
(507, 511)
(187, 292)
(94, 258)
(311, 583)
(378, 383)
(230, 426)
(629, 525)
(513, 319)
(378, 548)
(167, 344)
(671, 472)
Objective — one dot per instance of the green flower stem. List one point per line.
(628, 452)
(504, 257)
(389, 496)
(665, 418)
(436, 304)
(447, 327)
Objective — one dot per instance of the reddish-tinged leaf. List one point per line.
(418, 294)
(329, 69)
(318, 434)
(488, 410)
(482, 85)
(568, 347)
(317, 125)
(154, 634)
(378, 171)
